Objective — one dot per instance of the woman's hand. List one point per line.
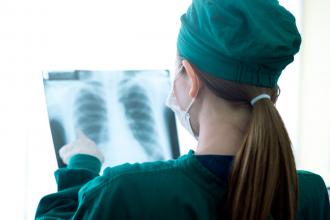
(82, 145)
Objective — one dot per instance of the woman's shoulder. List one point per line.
(308, 179)
(306, 173)
(311, 183)
(139, 168)
(134, 171)
(313, 196)
(133, 179)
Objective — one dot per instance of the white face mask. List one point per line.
(183, 116)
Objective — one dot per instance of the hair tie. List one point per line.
(259, 97)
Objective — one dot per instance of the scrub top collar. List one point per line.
(201, 175)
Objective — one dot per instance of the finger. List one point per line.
(65, 149)
(80, 134)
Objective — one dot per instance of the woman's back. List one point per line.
(175, 189)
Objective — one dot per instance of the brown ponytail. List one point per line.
(263, 179)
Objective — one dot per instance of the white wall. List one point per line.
(314, 152)
(12, 118)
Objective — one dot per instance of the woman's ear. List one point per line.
(195, 83)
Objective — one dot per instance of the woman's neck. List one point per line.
(219, 140)
(221, 129)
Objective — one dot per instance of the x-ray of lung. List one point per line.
(123, 112)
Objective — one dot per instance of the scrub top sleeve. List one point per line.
(63, 204)
(84, 161)
(81, 169)
(105, 198)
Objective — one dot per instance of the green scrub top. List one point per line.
(174, 189)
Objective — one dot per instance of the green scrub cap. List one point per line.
(245, 41)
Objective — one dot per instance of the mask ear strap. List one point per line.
(189, 106)
(179, 72)
(192, 101)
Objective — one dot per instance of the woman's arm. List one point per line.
(64, 203)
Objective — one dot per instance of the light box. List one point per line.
(123, 112)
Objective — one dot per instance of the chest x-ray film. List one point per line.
(123, 112)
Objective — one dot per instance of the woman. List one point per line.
(231, 54)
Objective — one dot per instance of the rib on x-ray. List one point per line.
(123, 112)
(90, 111)
(140, 117)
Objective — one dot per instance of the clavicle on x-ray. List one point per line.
(123, 112)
